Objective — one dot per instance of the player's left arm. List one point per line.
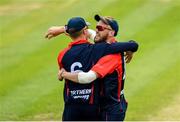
(68, 75)
(120, 47)
(81, 77)
(105, 65)
(128, 56)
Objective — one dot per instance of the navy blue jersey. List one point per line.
(81, 56)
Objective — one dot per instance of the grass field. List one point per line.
(29, 89)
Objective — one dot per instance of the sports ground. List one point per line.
(29, 89)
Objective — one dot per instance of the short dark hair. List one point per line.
(75, 34)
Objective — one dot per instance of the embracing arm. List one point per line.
(57, 30)
(81, 77)
(54, 31)
(70, 76)
(122, 47)
(105, 65)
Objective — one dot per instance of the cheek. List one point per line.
(104, 33)
(101, 34)
(98, 34)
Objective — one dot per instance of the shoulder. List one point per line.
(61, 53)
(100, 46)
(112, 57)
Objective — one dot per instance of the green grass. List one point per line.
(29, 89)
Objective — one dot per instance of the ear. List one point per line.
(85, 31)
(111, 33)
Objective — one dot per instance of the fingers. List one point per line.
(54, 31)
(60, 75)
(128, 56)
(49, 34)
(128, 59)
(59, 72)
(46, 35)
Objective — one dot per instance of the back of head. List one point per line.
(75, 27)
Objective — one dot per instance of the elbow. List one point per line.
(135, 45)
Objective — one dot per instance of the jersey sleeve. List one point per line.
(60, 57)
(120, 47)
(106, 65)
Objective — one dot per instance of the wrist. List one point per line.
(63, 29)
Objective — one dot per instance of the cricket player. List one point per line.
(82, 101)
(111, 70)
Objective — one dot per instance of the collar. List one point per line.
(78, 42)
(113, 40)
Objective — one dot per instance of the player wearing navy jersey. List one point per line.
(81, 101)
(111, 68)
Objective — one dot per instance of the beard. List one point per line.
(99, 39)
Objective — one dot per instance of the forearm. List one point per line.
(81, 77)
(59, 30)
(87, 77)
(55, 31)
(70, 76)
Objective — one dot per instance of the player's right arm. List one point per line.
(58, 30)
(54, 31)
(81, 77)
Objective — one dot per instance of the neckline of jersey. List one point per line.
(78, 42)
